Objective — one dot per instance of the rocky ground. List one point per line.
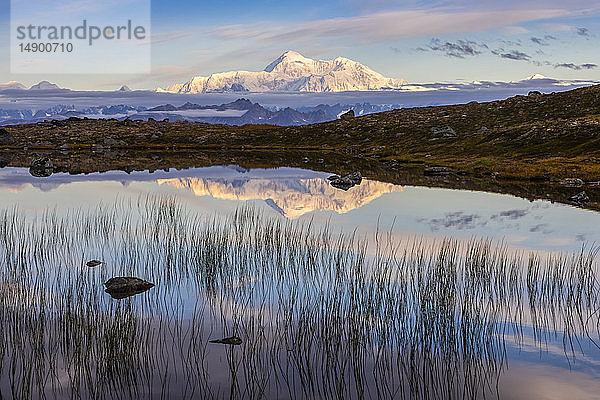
(536, 146)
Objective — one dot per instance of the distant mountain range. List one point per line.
(239, 112)
(292, 72)
(43, 85)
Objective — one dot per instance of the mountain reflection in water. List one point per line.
(289, 197)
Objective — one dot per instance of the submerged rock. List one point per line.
(41, 167)
(122, 287)
(437, 171)
(580, 199)
(232, 340)
(6, 138)
(93, 263)
(345, 182)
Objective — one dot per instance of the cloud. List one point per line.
(542, 41)
(458, 49)
(392, 25)
(168, 36)
(515, 30)
(555, 27)
(576, 67)
(457, 220)
(539, 41)
(513, 55)
(585, 32)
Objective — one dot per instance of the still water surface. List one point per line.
(315, 281)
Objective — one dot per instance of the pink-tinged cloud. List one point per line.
(395, 25)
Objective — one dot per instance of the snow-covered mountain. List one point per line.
(293, 72)
(12, 85)
(44, 85)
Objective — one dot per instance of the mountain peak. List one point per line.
(289, 56)
(44, 85)
(536, 76)
(12, 85)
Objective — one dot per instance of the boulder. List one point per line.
(534, 93)
(41, 167)
(345, 182)
(347, 115)
(437, 171)
(443, 132)
(128, 122)
(391, 165)
(122, 287)
(110, 142)
(6, 138)
(579, 199)
(5, 159)
(60, 123)
(572, 182)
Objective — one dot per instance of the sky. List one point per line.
(419, 41)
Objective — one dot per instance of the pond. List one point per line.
(378, 291)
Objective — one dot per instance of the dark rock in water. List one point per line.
(122, 287)
(437, 171)
(41, 167)
(347, 115)
(232, 340)
(345, 182)
(580, 199)
(6, 138)
(445, 132)
(93, 263)
(572, 182)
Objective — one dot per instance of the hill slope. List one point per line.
(539, 137)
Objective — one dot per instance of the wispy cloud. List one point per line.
(168, 36)
(543, 41)
(576, 67)
(513, 55)
(585, 32)
(458, 49)
(394, 25)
